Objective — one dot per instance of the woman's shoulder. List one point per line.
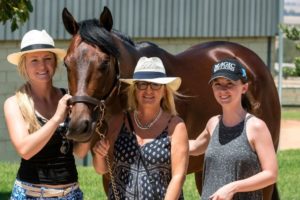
(256, 128)
(176, 128)
(10, 106)
(12, 100)
(176, 119)
(213, 121)
(255, 122)
(172, 122)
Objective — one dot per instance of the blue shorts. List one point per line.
(19, 193)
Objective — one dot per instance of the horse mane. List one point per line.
(144, 44)
(123, 37)
(91, 33)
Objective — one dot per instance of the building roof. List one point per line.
(159, 18)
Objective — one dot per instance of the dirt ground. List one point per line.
(289, 135)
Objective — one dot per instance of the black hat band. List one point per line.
(37, 46)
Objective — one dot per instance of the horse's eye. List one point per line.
(105, 64)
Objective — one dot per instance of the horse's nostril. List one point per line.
(86, 126)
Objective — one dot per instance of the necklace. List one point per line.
(147, 126)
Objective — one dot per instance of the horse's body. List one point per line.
(192, 65)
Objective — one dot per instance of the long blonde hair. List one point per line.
(167, 102)
(24, 98)
(26, 106)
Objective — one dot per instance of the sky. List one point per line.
(292, 12)
(292, 5)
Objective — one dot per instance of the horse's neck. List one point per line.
(130, 54)
(128, 57)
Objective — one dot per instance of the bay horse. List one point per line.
(98, 56)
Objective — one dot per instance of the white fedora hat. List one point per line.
(34, 41)
(152, 70)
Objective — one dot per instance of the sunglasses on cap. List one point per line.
(141, 85)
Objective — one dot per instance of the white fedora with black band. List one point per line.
(152, 70)
(34, 41)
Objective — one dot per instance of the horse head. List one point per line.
(92, 68)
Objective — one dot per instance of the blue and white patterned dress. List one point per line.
(131, 179)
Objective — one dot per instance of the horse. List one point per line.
(99, 55)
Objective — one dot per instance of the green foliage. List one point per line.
(17, 11)
(297, 65)
(288, 71)
(291, 32)
(289, 51)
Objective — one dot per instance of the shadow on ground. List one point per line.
(4, 195)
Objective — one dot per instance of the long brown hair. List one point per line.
(249, 103)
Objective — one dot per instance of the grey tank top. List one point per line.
(229, 157)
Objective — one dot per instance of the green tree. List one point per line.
(293, 33)
(17, 11)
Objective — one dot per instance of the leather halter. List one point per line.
(99, 104)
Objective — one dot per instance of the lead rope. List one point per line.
(102, 136)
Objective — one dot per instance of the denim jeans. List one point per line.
(19, 193)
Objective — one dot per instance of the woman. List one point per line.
(35, 118)
(150, 143)
(240, 158)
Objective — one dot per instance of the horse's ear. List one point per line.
(69, 22)
(106, 19)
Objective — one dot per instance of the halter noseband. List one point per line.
(99, 104)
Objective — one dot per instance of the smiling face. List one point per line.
(40, 66)
(149, 94)
(227, 91)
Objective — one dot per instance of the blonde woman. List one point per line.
(35, 118)
(149, 144)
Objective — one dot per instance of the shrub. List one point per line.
(288, 71)
(297, 65)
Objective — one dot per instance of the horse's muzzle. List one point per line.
(82, 132)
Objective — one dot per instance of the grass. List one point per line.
(91, 183)
(289, 174)
(290, 113)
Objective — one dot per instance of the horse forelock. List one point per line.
(91, 33)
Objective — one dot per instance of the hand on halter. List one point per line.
(62, 109)
(101, 148)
